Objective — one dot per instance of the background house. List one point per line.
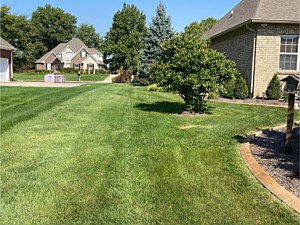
(74, 54)
(262, 37)
(6, 61)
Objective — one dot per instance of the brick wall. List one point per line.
(40, 66)
(267, 54)
(238, 46)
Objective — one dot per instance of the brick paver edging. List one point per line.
(265, 179)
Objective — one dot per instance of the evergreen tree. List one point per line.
(274, 91)
(159, 31)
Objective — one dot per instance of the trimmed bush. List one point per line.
(68, 70)
(229, 86)
(236, 88)
(102, 71)
(274, 91)
(153, 87)
(240, 88)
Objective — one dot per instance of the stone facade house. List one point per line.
(6, 61)
(74, 54)
(263, 38)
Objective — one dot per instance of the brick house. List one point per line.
(6, 61)
(74, 54)
(262, 37)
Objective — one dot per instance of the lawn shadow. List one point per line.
(169, 108)
(162, 107)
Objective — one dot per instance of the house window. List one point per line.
(289, 53)
(69, 56)
(76, 66)
(83, 54)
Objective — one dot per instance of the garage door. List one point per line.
(4, 76)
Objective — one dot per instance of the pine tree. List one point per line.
(159, 31)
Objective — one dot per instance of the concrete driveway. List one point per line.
(48, 84)
(41, 84)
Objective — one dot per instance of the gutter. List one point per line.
(253, 60)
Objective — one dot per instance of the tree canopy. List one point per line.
(17, 31)
(189, 66)
(125, 38)
(199, 28)
(159, 31)
(52, 26)
(89, 36)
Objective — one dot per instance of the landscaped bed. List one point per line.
(118, 154)
(69, 77)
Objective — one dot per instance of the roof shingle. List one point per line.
(271, 11)
(5, 45)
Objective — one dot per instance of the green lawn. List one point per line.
(69, 77)
(114, 154)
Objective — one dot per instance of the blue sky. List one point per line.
(99, 13)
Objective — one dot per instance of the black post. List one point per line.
(290, 123)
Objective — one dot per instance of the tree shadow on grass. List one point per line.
(166, 107)
(162, 107)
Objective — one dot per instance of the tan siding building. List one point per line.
(262, 37)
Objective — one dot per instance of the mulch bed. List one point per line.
(268, 150)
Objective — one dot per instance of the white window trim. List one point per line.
(291, 53)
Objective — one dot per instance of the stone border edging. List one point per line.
(264, 178)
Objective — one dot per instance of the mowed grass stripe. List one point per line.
(114, 154)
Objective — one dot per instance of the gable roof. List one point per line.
(5, 45)
(94, 51)
(256, 11)
(75, 44)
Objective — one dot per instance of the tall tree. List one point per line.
(159, 31)
(16, 30)
(89, 36)
(199, 29)
(52, 26)
(125, 39)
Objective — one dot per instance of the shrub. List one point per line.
(135, 79)
(274, 91)
(153, 87)
(188, 65)
(240, 88)
(123, 77)
(41, 71)
(213, 95)
(68, 70)
(235, 88)
(229, 86)
(101, 71)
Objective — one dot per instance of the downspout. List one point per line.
(253, 60)
(11, 66)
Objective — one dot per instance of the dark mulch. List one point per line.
(268, 150)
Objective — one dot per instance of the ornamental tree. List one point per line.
(187, 65)
(159, 31)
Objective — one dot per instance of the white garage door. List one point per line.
(4, 76)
